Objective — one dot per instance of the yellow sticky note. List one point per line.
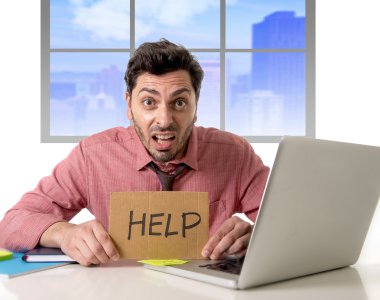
(4, 254)
(163, 262)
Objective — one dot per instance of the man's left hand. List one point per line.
(232, 238)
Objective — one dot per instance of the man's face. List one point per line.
(163, 110)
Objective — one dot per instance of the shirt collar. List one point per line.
(143, 157)
(191, 155)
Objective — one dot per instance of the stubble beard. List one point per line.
(165, 156)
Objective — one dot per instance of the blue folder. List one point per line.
(16, 266)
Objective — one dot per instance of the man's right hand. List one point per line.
(87, 243)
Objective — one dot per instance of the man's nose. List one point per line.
(164, 117)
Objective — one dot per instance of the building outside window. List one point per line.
(258, 57)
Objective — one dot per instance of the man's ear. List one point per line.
(129, 106)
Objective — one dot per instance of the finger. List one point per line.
(105, 240)
(85, 255)
(78, 256)
(239, 230)
(235, 256)
(226, 227)
(240, 244)
(76, 247)
(96, 248)
(225, 243)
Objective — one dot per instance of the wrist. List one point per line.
(54, 235)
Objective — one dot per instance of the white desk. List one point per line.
(129, 280)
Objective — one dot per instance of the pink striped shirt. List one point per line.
(222, 164)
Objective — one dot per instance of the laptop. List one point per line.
(315, 214)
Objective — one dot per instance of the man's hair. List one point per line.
(160, 58)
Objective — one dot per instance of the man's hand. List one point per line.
(87, 243)
(232, 238)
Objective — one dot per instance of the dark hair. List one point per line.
(160, 58)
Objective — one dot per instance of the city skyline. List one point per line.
(267, 98)
(76, 109)
(270, 100)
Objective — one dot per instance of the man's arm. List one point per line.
(41, 216)
(56, 198)
(87, 243)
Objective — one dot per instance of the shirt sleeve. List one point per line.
(253, 178)
(57, 197)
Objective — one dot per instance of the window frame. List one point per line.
(310, 90)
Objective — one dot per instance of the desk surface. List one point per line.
(129, 280)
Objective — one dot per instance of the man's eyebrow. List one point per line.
(175, 93)
(180, 91)
(151, 91)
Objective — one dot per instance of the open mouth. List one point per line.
(161, 139)
(164, 141)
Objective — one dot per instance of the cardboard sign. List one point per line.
(159, 225)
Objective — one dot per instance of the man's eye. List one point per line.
(180, 103)
(148, 102)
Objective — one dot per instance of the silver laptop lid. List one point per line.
(317, 208)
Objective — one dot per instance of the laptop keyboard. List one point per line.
(229, 266)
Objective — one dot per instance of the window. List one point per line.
(258, 57)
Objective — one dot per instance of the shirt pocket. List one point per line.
(217, 213)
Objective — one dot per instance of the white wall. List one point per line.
(348, 92)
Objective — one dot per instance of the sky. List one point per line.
(104, 24)
(193, 23)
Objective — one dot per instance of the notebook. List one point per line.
(16, 266)
(315, 214)
(45, 254)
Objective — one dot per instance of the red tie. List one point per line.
(166, 179)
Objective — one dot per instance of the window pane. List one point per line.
(208, 110)
(265, 93)
(192, 23)
(89, 24)
(86, 92)
(265, 24)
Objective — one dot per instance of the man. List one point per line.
(163, 86)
